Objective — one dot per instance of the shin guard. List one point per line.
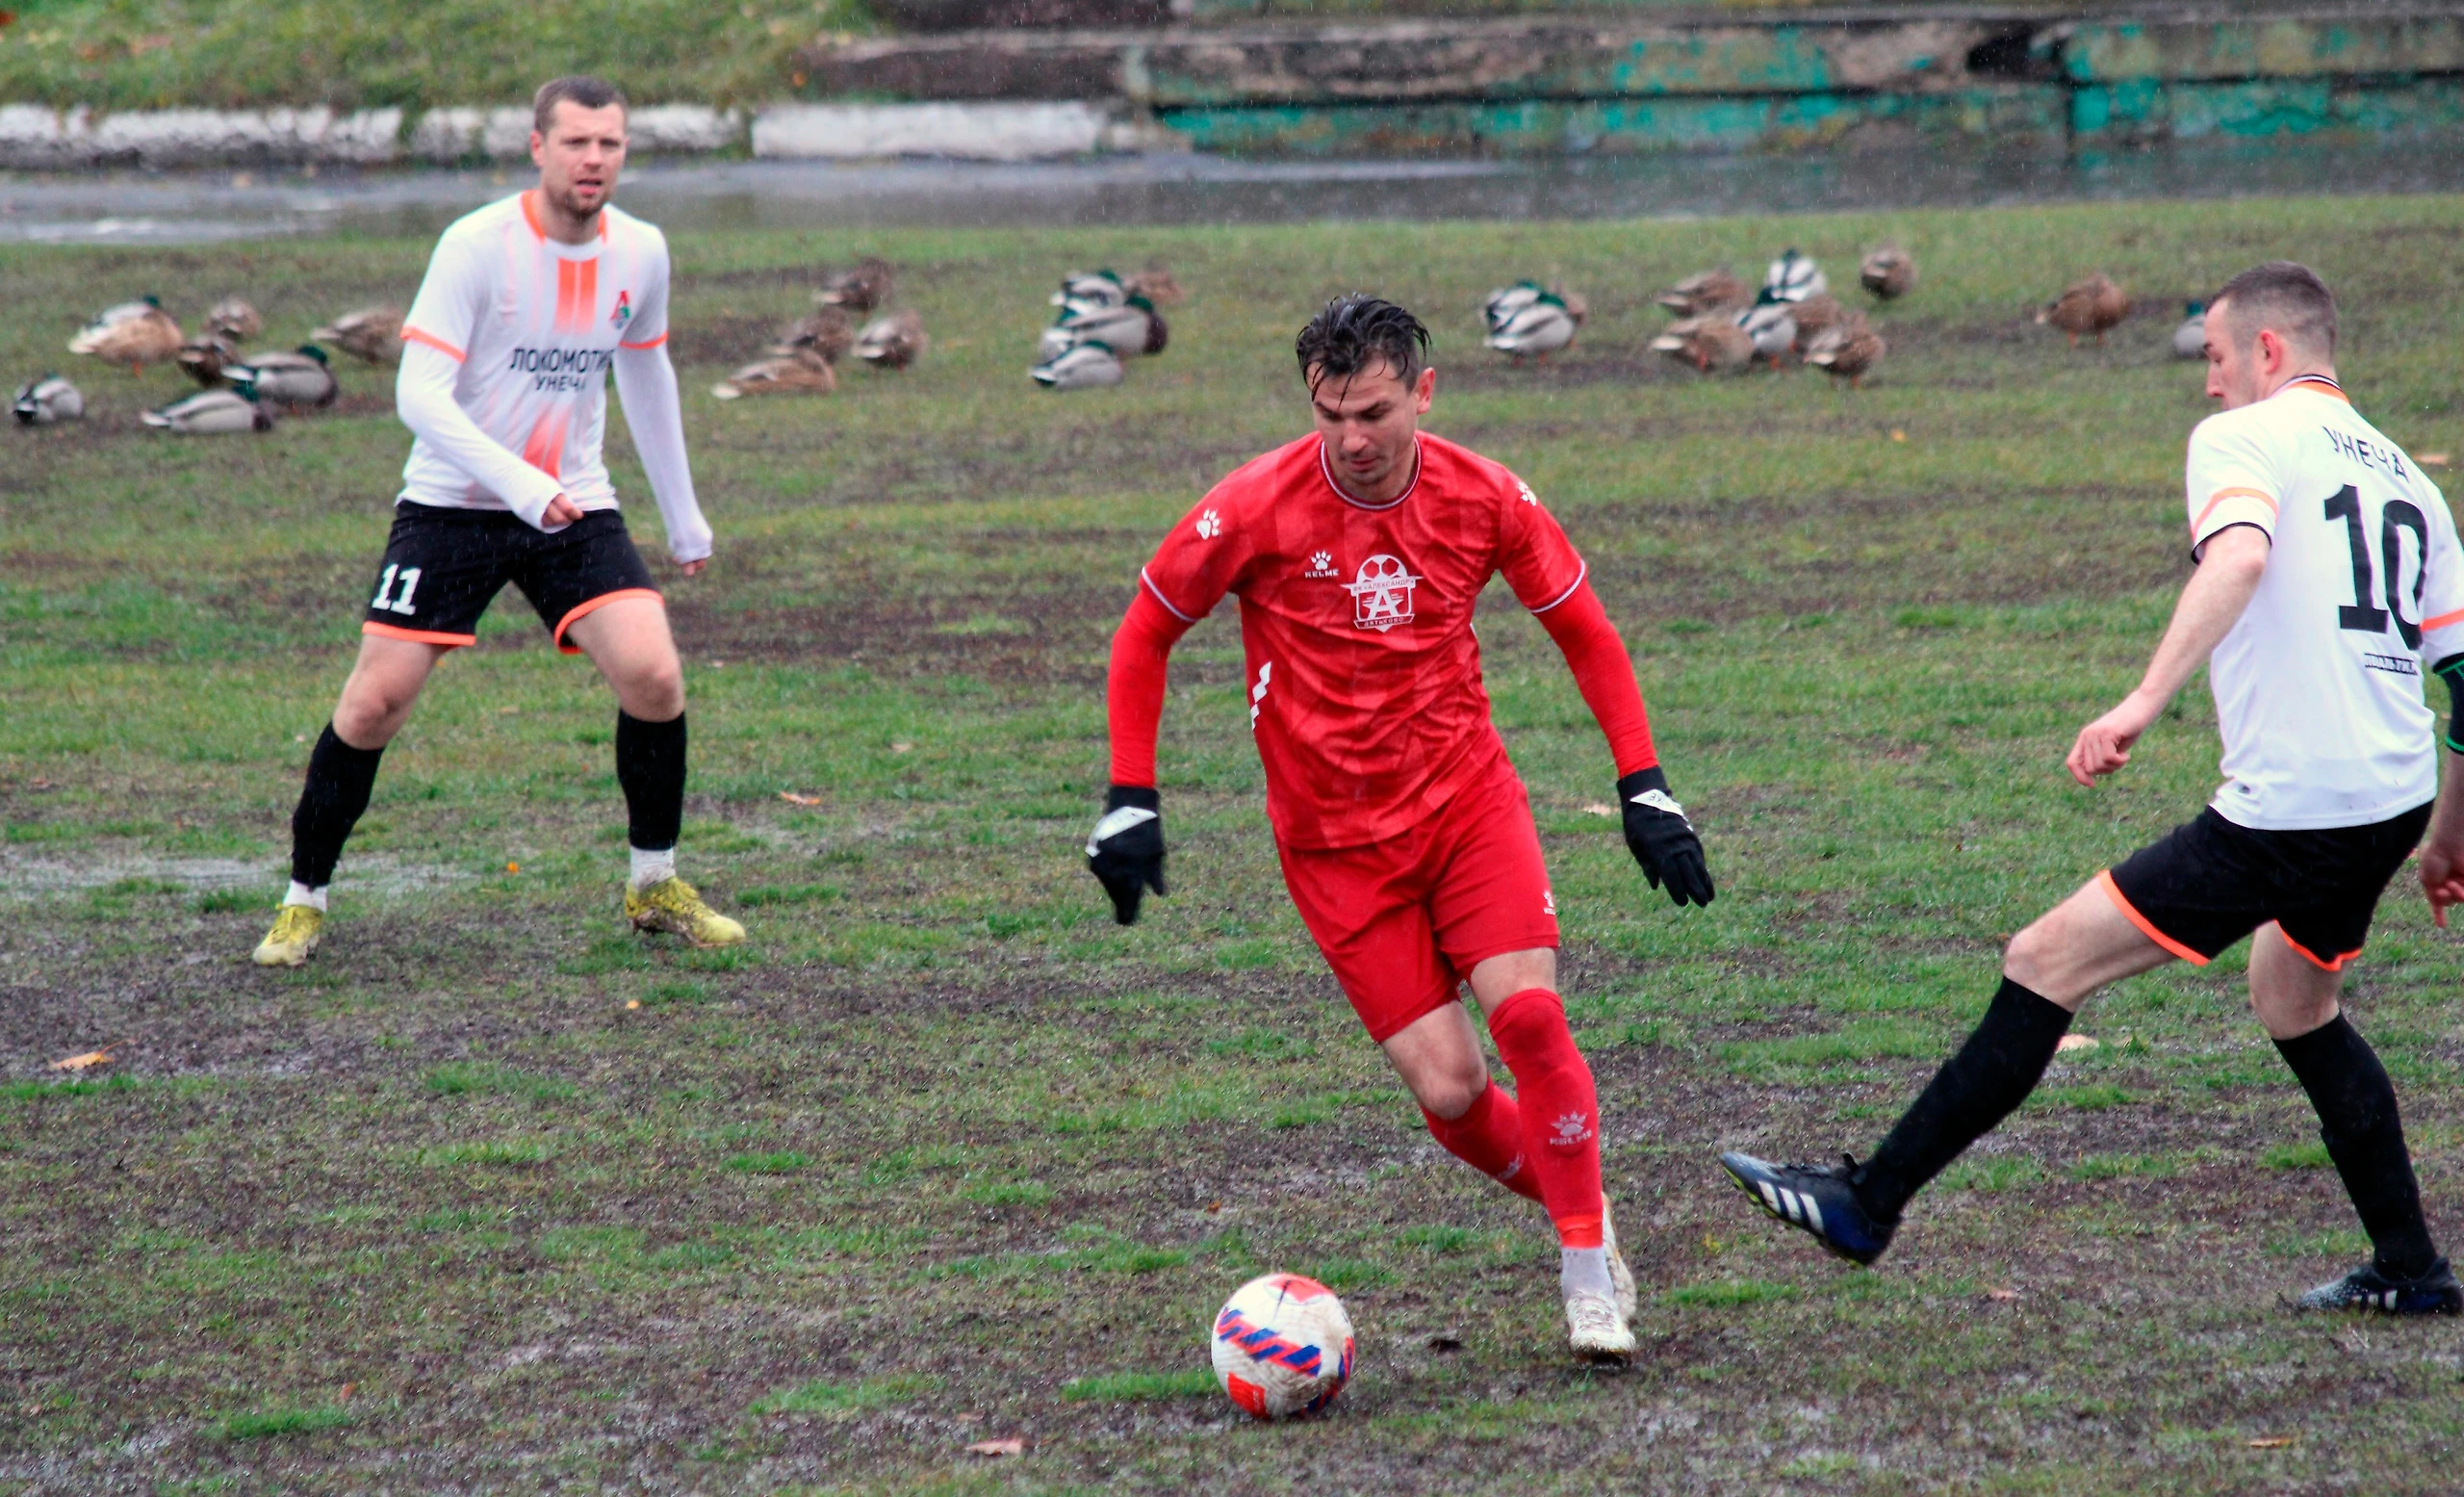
(1561, 1110)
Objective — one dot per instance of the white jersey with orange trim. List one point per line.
(505, 358)
(2319, 685)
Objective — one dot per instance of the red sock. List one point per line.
(1561, 1110)
(1489, 1138)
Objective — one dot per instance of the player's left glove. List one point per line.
(1662, 839)
(1126, 851)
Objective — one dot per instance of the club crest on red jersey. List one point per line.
(1381, 593)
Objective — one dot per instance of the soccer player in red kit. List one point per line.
(1358, 555)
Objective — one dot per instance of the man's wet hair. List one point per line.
(2286, 296)
(582, 90)
(1355, 334)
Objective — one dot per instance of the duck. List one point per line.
(1090, 288)
(372, 334)
(1545, 325)
(211, 413)
(1156, 284)
(1814, 317)
(47, 402)
(1084, 366)
(2093, 305)
(133, 333)
(233, 320)
(1771, 325)
(1889, 273)
(204, 358)
(1793, 278)
(826, 331)
(1506, 301)
(802, 372)
(1126, 329)
(1705, 291)
(1848, 351)
(2190, 340)
(1711, 341)
(305, 377)
(860, 289)
(892, 342)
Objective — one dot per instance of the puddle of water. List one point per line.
(159, 208)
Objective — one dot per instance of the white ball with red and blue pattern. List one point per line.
(1282, 1345)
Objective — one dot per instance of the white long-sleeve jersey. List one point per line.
(504, 364)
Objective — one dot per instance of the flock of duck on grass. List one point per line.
(804, 358)
(242, 391)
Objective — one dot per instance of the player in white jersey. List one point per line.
(2328, 573)
(527, 304)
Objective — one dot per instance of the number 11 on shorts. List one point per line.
(410, 576)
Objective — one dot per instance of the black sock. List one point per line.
(2358, 1122)
(1992, 1073)
(339, 777)
(649, 764)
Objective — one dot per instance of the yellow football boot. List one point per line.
(296, 932)
(673, 906)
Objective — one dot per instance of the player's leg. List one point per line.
(1439, 1058)
(592, 589)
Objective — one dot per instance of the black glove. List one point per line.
(1662, 839)
(1126, 851)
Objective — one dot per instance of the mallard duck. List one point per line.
(211, 413)
(1888, 272)
(133, 333)
(1771, 326)
(1084, 366)
(374, 334)
(46, 401)
(1506, 301)
(1848, 351)
(1157, 334)
(825, 330)
(1712, 341)
(804, 371)
(205, 358)
(1793, 278)
(1156, 284)
(233, 320)
(2093, 306)
(1705, 291)
(1125, 329)
(1814, 317)
(1544, 326)
(1090, 288)
(2190, 340)
(861, 289)
(305, 377)
(892, 342)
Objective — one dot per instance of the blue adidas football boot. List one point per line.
(1816, 1199)
(2434, 1293)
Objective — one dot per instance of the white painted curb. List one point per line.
(36, 138)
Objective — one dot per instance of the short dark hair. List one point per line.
(582, 88)
(1356, 333)
(2284, 295)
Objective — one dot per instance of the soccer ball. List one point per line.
(1282, 1345)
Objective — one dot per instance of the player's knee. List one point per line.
(1450, 1094)
(655, 692)
(2028, 960)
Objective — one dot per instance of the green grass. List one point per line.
(447, 1163)
(1141, 1388)
(265, 1424)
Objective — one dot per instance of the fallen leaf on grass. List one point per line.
(995, 1450)
(348, 1388)
(2076, 1042)
(900, 748)
(2271, 1441)
(84, 1062)
(1898, 435)
(632, 1003)
(794, 799)
(2001, 1296)
(1600, 809)
(2432, 459)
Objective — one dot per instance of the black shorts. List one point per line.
(443, 567)
(2211, 882)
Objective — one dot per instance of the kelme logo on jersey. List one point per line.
(1381, 593)
(623, 317)
(1321, 563)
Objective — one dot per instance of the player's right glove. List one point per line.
(1662, 839)
(1126, 851)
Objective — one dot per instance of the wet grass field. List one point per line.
(496, 1196)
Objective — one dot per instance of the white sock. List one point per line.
(301, 893)
(1583, 1268)
(648, 867)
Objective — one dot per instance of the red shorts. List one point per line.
(1404, 920)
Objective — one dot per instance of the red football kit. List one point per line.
(1405, 836)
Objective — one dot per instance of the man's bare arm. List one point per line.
(2228, 572)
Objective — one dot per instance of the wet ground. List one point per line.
(164, 208)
